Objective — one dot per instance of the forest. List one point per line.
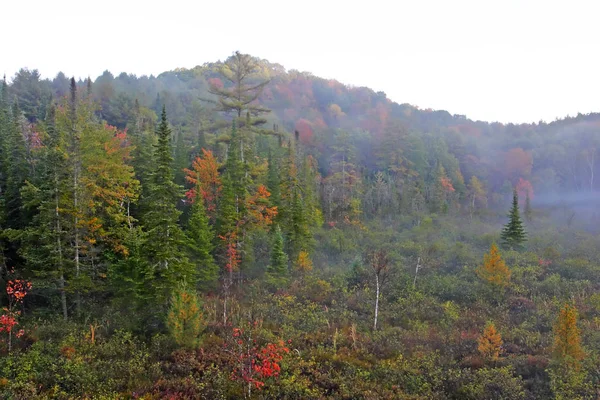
(239, 230)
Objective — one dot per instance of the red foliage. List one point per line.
(16, 290)
(233, 257)
(517, 162)
(254, 364)
(216, 82)
(524, 187)
(304, 128)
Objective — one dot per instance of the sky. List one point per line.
(506, 61)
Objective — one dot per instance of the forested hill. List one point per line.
(555, 158)
(237, 230)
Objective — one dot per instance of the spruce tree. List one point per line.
(168, 264)
(200, 243)
(514, 235)
(277, 270)
(17, 171)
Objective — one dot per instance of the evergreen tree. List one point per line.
(277, 270)
(200, 244)
(17, 171)
(514, 235)
(168, 264)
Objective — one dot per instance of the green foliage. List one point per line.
(514, 235)
(184, 318)
(277, 270)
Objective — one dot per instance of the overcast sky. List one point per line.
(508, 61)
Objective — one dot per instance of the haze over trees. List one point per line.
(237, 230)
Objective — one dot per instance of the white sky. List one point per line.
(501, 60)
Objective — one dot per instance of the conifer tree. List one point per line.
(494, 270)
(514, 235)
(489, 343)
(200, 243)
(165, 240)
(277, 270)
(185, 318)
(17, 171)
(567, 377)
(567, 342)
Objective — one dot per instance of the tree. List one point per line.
(164, 245)
(476, 194)
(380, 264)
(567, 342)
(567, 378)
(184, 318)
(489, 343)
(207, 185)
(277, 270)
(240, 97)
(200, 243)
(513, 235)
(494, 270)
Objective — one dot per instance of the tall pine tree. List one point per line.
(168, 264)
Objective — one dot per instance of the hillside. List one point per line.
(199, 235)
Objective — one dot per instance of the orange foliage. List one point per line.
(447, 184)
(258, 208)
(490, 343)
(204, 176)
(494, 270)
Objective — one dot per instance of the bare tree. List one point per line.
(380, 263)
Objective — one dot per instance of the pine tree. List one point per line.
(165, 240)
(200, 243)
(514, 235)
(17, 171)
(489, 343)
(277, 270)
(494, 270)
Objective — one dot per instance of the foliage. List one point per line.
(184, 318)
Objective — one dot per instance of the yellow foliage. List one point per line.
(494, 271)
(490, 343)
(567, 342)
(304, 263)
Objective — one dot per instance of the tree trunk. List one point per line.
(376, 302)
(63, 294)
(417, 272)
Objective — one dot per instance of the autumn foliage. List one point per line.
(489, 343)
(16, 290)
(567, 342)
(204, 177)
(494, 270)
